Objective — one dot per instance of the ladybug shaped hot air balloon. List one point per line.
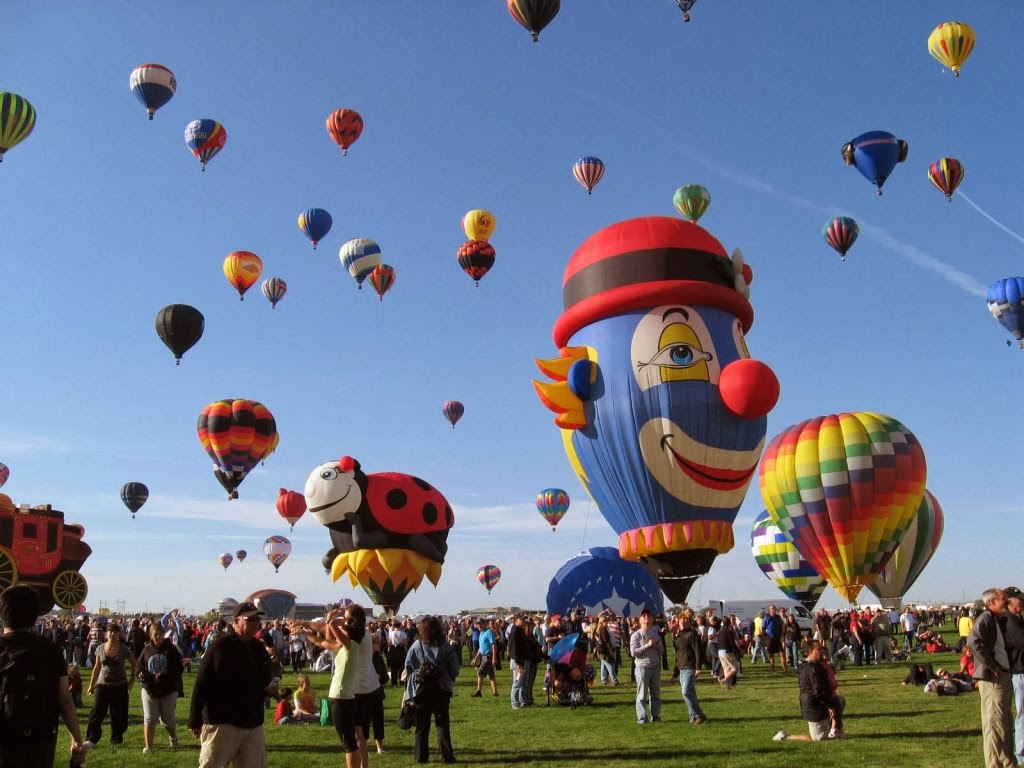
(291, 505)
(344, 126)
(476, 257)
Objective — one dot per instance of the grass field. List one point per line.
(888, 724)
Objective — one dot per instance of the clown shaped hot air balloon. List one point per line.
(912, 555)
(844, 488)
(237, 435)
(778, 559)
(276, 549)
(360, 256)
(488, 576)
(951, 43)
(553, 503)
(388, 530)
(662, 411)
(875, 154)
(242, 269)
(291, 505)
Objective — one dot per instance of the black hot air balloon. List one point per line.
(179, 326)
(534, 15)
(134, 495)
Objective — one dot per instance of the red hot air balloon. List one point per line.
(291, 505)
(344, 126)
(588, 171)
(476, 257)
(382, 278)
(453, 410)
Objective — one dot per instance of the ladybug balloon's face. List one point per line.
(332, 493)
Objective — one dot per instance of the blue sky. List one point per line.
(107, 218)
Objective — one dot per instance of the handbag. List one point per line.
(407, 715)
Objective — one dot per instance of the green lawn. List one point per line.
(888, 724)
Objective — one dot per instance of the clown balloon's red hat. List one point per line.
(647, 262)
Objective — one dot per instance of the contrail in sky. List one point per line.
(999, 224)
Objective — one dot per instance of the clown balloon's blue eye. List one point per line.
(681, 354)
(678, 356)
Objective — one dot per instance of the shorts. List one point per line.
(819, 730)
(486, 668)
(728, 662)
(774, 645)
(159, 709)
(343, 714)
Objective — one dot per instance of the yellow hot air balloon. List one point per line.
(17, 119)
(951, 43)
(479, 224)
(242, 269)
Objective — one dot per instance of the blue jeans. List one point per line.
(520, 697)
(608, 671)
(688, 684)
(793, 648)
(648, 686)
(1018, 720)
(759, 650)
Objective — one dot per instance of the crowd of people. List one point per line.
(239, 664)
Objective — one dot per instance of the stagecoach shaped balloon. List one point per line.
(662, 411)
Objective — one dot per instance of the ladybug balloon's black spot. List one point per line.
(429, 514)
(449, 517)
(423, 484)
(397, 498)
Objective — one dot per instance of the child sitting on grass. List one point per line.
(284, 714)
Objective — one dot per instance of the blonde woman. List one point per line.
(306, 703)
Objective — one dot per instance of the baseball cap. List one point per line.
(1013, 592)
(245, 610)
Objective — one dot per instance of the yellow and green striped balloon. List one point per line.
(17, 119)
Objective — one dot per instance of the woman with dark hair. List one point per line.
(431, 667)
(791, 636)
(110, 685)
(342, 638)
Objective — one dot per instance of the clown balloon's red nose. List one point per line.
(749, 388)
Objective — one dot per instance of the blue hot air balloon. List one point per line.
(598, 579)
(875, 154)
(153, 85)
(315, 223)
(1006, 303)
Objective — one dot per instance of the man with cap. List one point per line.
(1015, 650)
(987, 642)
(226, 713)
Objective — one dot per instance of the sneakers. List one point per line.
(380, 750)
(838, 734)
(88, 745)
(173, 742)
(146, 750)
(780, 736)
(699, 720)
(476, 695)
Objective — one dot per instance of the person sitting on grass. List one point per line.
(818, 701)
(967, 662)
(306, 703)
(285, 712)
(919, 674)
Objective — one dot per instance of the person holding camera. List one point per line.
(160, 676)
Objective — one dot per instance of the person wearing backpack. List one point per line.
(34, 690)
(431, 667)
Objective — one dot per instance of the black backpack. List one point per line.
(28, 694)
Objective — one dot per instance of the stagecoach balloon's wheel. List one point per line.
(8, 570)
(69, 589)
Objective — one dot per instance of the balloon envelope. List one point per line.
(179, 326)
(134, 495)
(360, 256)
(951, 43)
(875, 154)
(691, 201)
(488, 576)
(453, 411)
(225, 560)
(237, 435)
(382, 278)
(153, 85)
(534, 15)
(17, 119)
(845, 488)
(274, 288)
(241, 555)
(598, 579)
(205, 138)
(344, 126)
(588, 172)
(315, 223)
(780, 561)
(945, 174)
(242, 269)
(912, 555)
(476, 257)
(1006, 303)
(553, 503)
(5, 474)
(841, 233)
(291, 505)
(277, 549)
(479, 224)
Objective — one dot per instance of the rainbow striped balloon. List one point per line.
(277, 549)
(912, 555)
(488, 576)
(552, 503)
(779, 560)
(845, 488)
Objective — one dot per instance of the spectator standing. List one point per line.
(1015, 650)
(645, 647)
(110, 686)
(160, 676)
(908, 623)
(992, 673)
(881, 629)
(431, 668)
(773, 637)
(689, 651)
(486, 659)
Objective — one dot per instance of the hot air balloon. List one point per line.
(242, 269)
(225, 559)
(911, 556)
(17, 119)
(841, 233)
(344, 126)
(1006, 303)
(5, 474)
(588, 172)
(534, 15)
(237, 435)
(241, 555)
(476, 257)
(277, 549)
(684, 6)
(779, 560)
(381, 279)
(663, 412)
(488, 576)
(875, 154)
(479, 224)
(844, 488)
(553, 503)
(360, 256)
(291, 505)
(205, 138)
(274, 288)
(691, 200)
(951, 43)
(134, 495)
(153, 85)
(945, 174)
(179, 326)
(599, 579)
(315, 223)
(388, 530)
(453, 410)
